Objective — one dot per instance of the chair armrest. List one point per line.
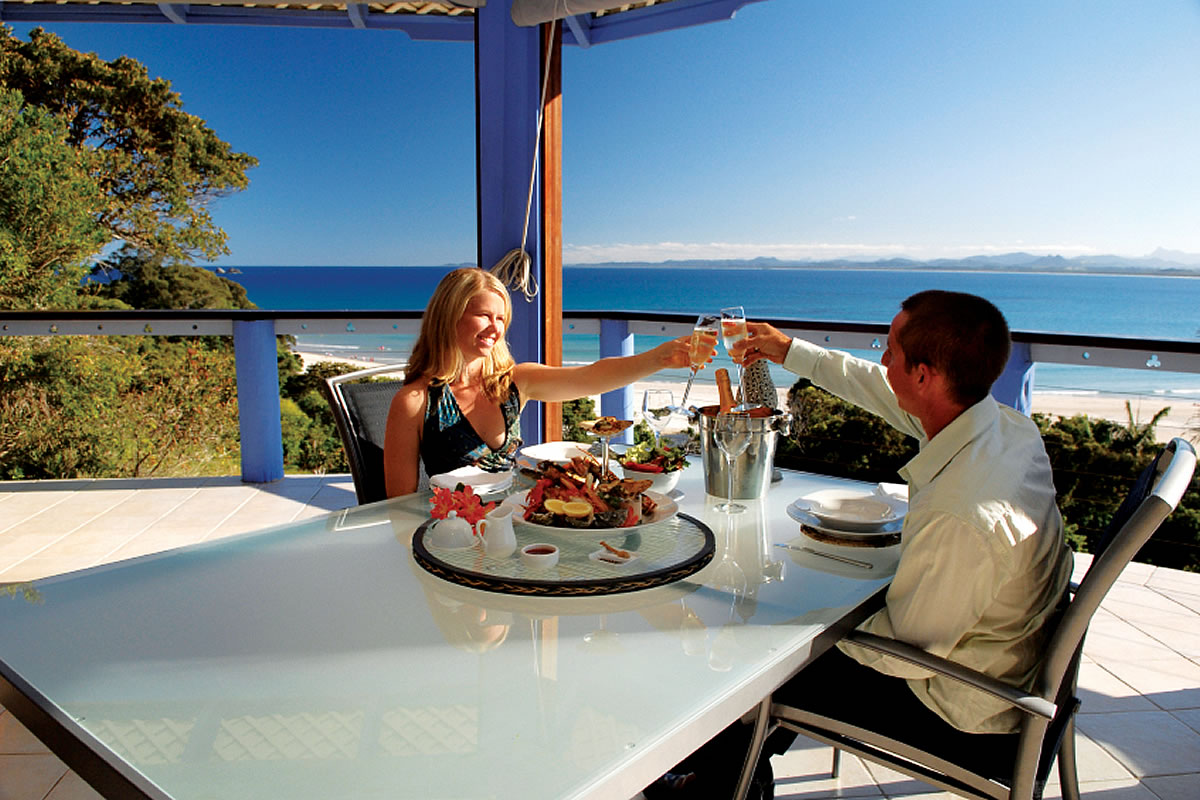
(1029, 703)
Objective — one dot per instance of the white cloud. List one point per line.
(651, 252)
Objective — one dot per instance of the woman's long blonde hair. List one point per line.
(436, 355)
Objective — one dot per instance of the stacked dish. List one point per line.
(482, 482)
(850, 517)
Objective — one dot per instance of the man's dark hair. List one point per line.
(962, 336)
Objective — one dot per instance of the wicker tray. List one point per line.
(667, 552)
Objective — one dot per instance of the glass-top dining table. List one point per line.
(319, 659)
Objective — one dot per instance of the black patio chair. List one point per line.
(1019, 771)
(360, 410)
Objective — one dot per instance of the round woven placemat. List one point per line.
(666, 552)
(853, 540)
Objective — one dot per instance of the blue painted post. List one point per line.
(258, 400)
(507, 98)
(616, 340)
(1015, 385)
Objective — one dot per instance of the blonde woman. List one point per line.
(462, 396)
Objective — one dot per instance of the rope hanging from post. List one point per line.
(515, 269)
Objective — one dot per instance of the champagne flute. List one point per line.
(733, 329)
(699, 351)
(656, 410)
(732, 433)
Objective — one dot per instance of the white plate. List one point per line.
(605, 557)
(799, 512)
(481, 481)
(666, 509)
(852, 510)
(558, 452)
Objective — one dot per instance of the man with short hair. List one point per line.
(983, 560)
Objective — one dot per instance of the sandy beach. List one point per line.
(1184, 413)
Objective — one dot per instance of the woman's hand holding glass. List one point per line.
(701, 348)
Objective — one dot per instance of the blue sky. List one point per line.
(799, 129)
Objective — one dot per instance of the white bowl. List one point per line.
(663, 482)
(539, 555)
(853, 510)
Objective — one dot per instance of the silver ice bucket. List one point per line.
(752, 469)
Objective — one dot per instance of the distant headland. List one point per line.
(1160, 262)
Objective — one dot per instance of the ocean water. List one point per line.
(1150, 306)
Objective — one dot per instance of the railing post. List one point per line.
(1015, 385)
(258, 400)
(616, 340)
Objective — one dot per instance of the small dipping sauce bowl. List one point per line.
(539, 556)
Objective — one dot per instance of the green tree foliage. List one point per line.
(48, 208)
(91, 152)
(834, 437)
(573, 413)
(311, 442)
(140, 279)
(124, 405)
(1095, 462)
(157, 166)
(115, 406)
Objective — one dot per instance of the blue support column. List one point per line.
(1015, 385)
(616, 340)
(258, 400)
(507, 99)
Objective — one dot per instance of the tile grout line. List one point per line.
(39, 512)
(104, 559)
(1159, 640)
(58, 539)
(209, 533)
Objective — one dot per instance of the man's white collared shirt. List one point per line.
(983, 561)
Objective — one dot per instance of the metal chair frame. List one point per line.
(351, 426)
(1048, 728)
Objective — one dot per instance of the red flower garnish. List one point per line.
(464, 501)
(442, 502)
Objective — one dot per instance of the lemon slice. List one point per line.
(577, 508)
(554, 505)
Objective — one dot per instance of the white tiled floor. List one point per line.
(1140, 684)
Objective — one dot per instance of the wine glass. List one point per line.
(732, 432)
(733, 329)
(656, 410)
(699, 351)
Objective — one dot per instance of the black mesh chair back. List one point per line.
(360, 410)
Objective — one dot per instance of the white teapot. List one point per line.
(452, 532)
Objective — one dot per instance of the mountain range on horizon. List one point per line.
(1160, 261)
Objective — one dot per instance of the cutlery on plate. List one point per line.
(854, 562)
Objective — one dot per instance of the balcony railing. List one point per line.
(254, 332)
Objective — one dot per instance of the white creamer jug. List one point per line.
(496, 528)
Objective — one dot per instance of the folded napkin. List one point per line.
(896, 491)
(479, 480)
